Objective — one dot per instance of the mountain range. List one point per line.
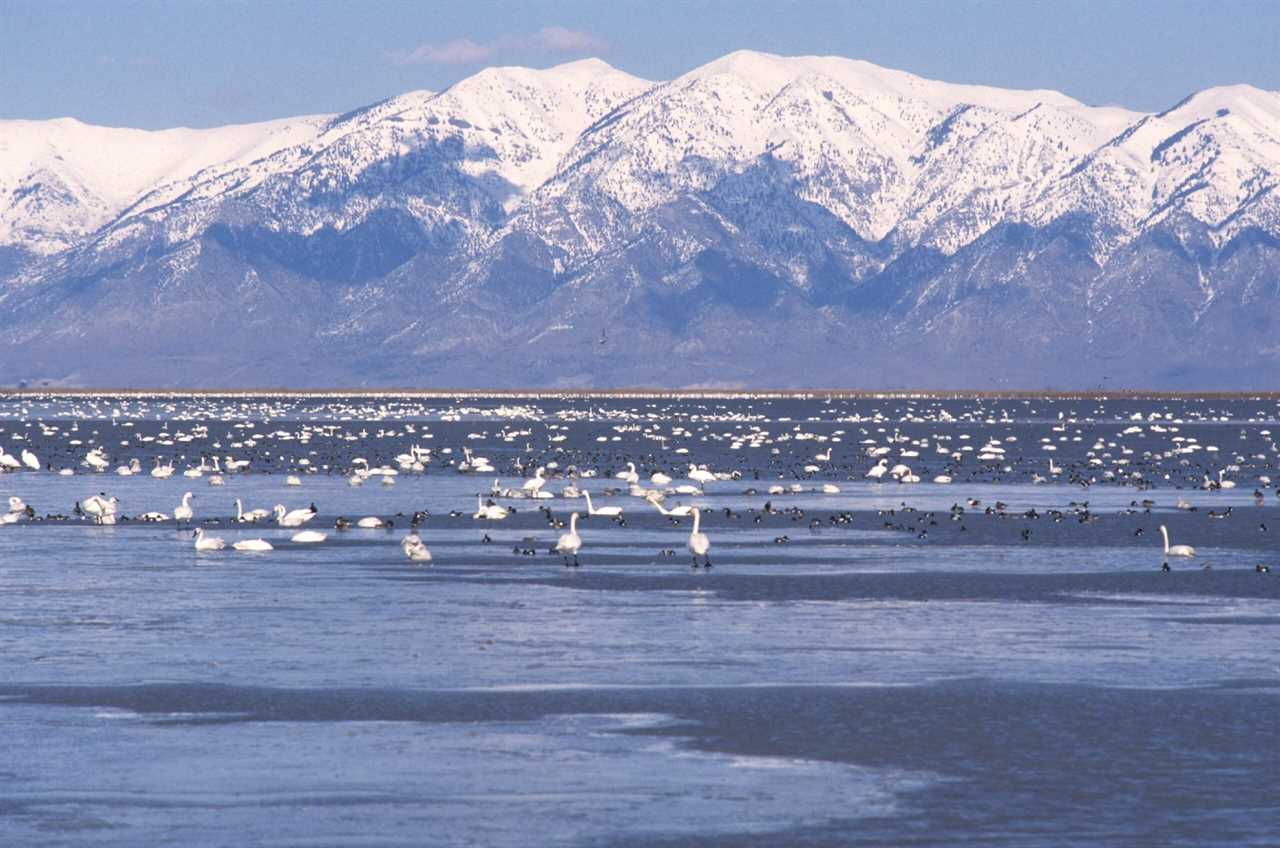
(759, 221)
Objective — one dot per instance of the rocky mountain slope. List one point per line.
(759, 221)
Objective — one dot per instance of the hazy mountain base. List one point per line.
(1019, 307)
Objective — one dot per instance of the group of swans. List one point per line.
(1220, 483)
(214, 543)
(476, 464)
(570, 543)
(28, 461)
(100, 508)
(900, 472)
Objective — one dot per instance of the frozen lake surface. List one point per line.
(995, 660)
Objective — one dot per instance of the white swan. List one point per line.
(879, 470)
(252, 545)
(491, 512)
(534, 486)
(1175, 550)
(251, 516)
(659, 479)
(414, 548)
(183, 511)
(681, 510)
(700, 475)
(571, 542)
(16, 505)
(308, 537)
(629, 475)
(207, 543)
(30, 460)
(607, 511)
(1225, 484)
(371, 523)
(162, 471)
(294, 518)
(698, 543)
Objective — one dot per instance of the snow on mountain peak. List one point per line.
(883, 150)
(62, 178)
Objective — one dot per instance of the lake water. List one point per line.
(889, 664)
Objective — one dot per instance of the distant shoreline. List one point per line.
(762, 393)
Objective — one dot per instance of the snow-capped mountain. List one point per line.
(759, 220)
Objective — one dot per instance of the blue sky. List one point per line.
(147, 63)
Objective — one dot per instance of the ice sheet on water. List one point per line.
(575, 779)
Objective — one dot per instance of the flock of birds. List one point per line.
(533, 439)
(102, 509)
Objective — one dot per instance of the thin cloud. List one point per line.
(464, 51)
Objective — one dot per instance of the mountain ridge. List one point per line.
(863, 225)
